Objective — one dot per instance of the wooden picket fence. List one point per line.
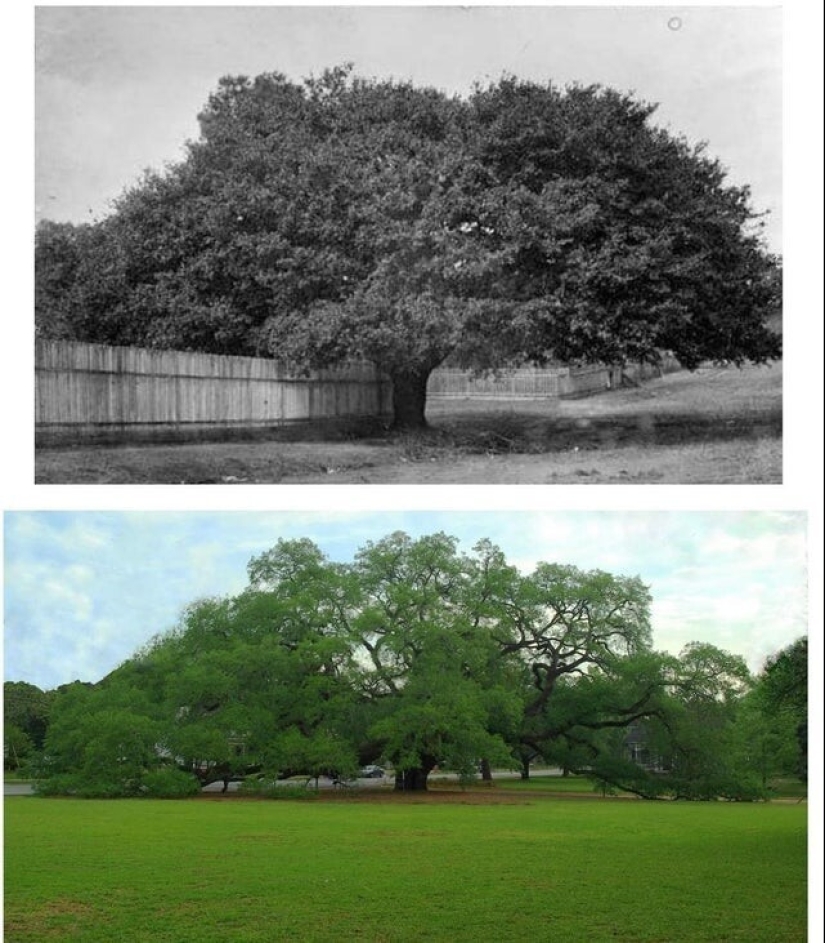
(91, 392)
(540, 383)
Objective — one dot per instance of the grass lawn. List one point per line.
(436, 867)
(581, 785)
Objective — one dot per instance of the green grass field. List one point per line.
(452, 868)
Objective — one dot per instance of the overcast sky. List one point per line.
(118, 89)
(84, 590)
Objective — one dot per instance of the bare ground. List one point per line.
(717, 425)
(475, 795)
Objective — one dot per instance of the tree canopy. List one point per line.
(342, 218)
(413, 654)
(25, 720)
(782, 694)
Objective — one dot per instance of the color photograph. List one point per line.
(335, 726)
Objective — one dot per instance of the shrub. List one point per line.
(166, 783)
(83, 786)
(169, 783)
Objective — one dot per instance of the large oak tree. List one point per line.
(414, 654)
(342, 218)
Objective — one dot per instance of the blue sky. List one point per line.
(85, 589)
(118, 88)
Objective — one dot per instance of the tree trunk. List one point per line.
(486, 773)
(413, 780)
(525, 769)
(409, 398)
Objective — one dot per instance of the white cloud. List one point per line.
(63, 601)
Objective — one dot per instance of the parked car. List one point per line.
(371, 772)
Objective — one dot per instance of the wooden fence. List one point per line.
(91, 392)
(538, 383)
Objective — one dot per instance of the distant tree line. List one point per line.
(348, 218)
(417, 655)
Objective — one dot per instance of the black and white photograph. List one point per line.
(408, 245)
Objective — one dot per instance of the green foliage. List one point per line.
(101, 738)
(25, 717)
(659, 726)
(17, 745)
(782, 693)
(431, 661)
(159, 783)
(784, 682)
(418, 655)
(343, 218)
(168, 783)
(87, 786)
(323, 752)
(764, 743)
